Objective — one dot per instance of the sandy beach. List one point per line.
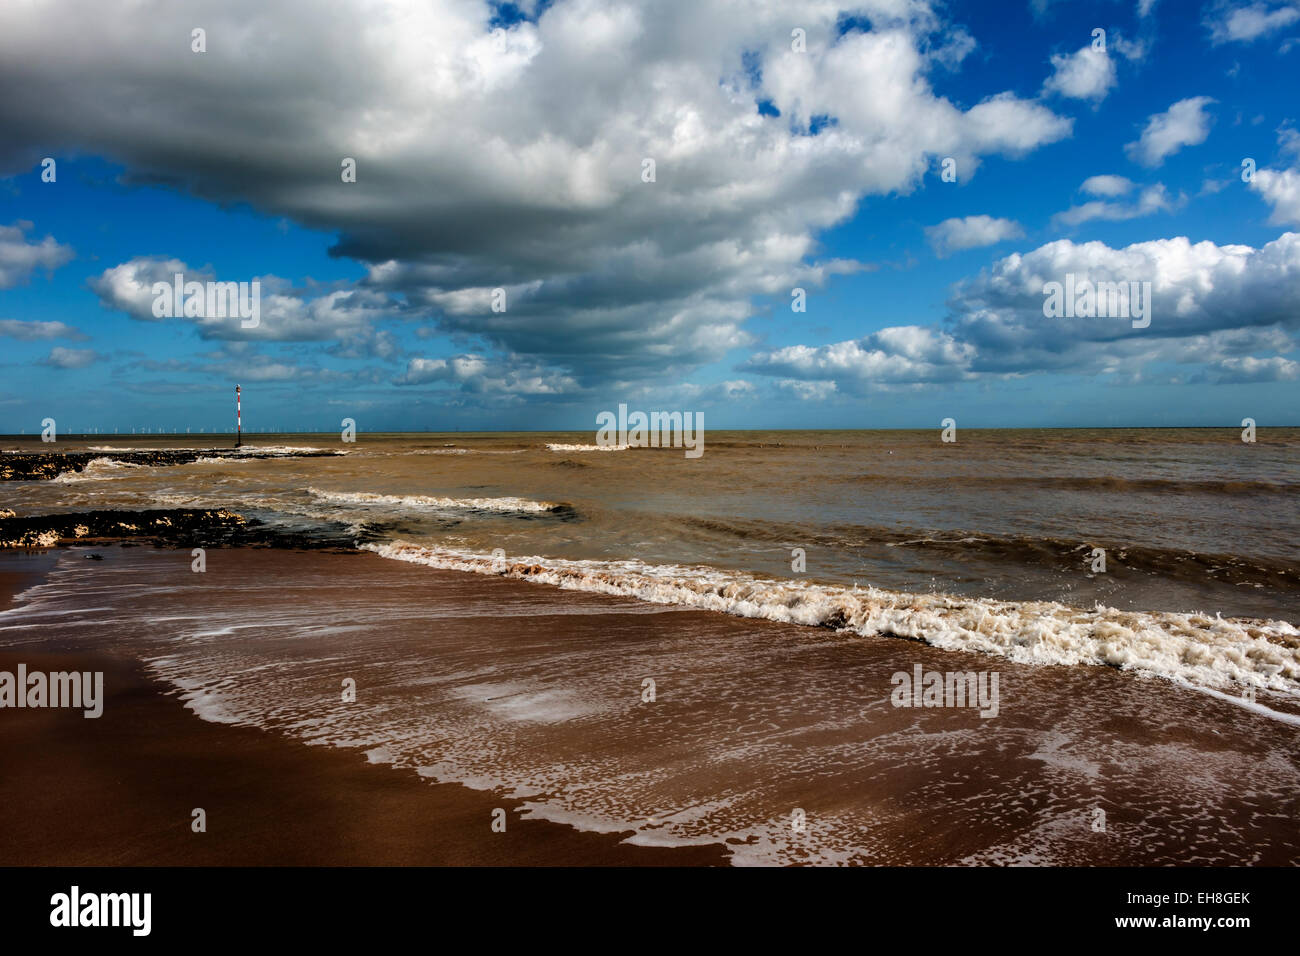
(119, 790)
(521, 688)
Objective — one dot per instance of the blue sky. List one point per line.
(503, 147)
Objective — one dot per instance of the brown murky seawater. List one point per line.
(596, 570)
(1191, 519)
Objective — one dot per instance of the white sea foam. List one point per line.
(465, 451)
(558, 447)
(433, 501)
(206, 702)
(179, 501)
(145, 449)
(284, 450)
(280, 505)
(98, 469)
(1200, 650)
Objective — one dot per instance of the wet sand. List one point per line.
(120, 789)
(502, 683)
(20, 570)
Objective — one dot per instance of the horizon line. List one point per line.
(580, 431)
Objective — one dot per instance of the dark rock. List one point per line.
(170, 527)
(42, 466)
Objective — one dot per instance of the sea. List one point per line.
(1137, 591)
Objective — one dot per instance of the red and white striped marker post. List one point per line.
(239, 420)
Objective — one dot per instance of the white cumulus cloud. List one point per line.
(1151, 200)
(1107, 185)
(1243, 24)
(514, 159)
(1086, 74)
(1226, 311)
(970, 232)
(61, 357)
(1185, 123)
(19, 256)
(1281, 190)
(32, 330)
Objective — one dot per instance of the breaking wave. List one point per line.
(285, 450)
(558, 447)
(1201, 650)
(97, 469)
(508, 504)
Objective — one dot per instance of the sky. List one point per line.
(851, 219)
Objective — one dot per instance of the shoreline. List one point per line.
(119, 790)
(20, 570)
(493, 681)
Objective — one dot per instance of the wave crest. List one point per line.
(1205, 651)
(555, 446)
(508, 504)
